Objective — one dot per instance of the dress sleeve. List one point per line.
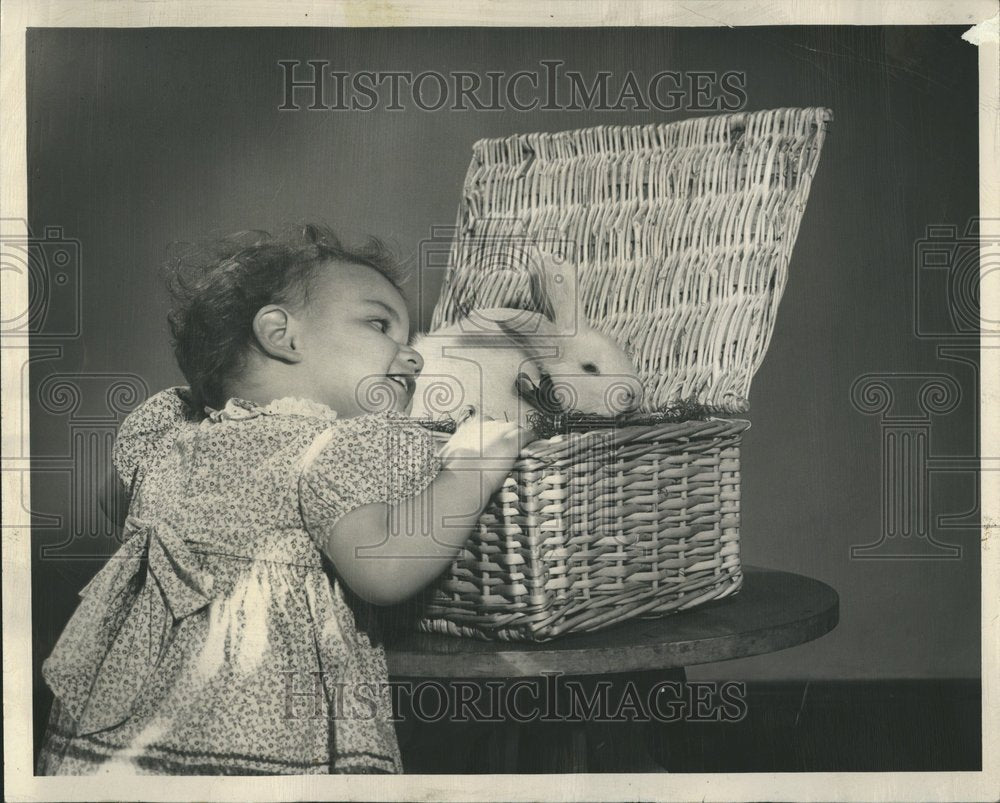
(148, 432)
(380, 457)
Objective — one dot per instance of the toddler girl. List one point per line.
(233, 633)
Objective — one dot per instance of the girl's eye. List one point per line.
(382, 324)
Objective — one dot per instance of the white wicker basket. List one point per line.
(681, 235)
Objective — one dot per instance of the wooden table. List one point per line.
(773, 611)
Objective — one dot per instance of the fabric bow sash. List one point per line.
(125, 624)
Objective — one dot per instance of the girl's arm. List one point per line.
(366, 550)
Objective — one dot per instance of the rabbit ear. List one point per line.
(527, 330)
(558, 284)
(532, 333)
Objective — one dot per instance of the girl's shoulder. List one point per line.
(381, 457)
(162, 410)
(148, 431)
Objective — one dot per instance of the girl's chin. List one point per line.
(378, 396)
(403, 403)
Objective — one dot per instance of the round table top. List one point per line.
(772, 611)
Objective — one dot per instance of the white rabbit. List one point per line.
(477, 360)
(474, 362)
(589, 371)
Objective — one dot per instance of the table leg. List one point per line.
(625, 746)
(553, 747)
(577, 742)
(502, 748)
(591, 741)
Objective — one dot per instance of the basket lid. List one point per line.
(679, 236)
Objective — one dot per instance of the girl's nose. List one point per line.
(412, 356)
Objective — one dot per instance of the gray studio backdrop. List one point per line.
(137, 138)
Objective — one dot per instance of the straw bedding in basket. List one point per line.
(681, 235)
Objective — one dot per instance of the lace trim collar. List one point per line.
(237, 409)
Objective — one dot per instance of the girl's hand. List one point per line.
(497, 443)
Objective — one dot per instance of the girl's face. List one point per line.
(355, 330)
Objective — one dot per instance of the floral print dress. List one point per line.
(218, 640)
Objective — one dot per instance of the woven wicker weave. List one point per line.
(681, 236)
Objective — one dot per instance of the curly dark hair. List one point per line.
(218, 288)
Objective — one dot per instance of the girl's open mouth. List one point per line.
(406, 382)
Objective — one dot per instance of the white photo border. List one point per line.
(16, 16)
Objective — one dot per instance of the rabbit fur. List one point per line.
(485, 358)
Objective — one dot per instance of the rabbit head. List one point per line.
(473, 362)
(587, 370)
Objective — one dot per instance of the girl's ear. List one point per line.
(275, 331)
